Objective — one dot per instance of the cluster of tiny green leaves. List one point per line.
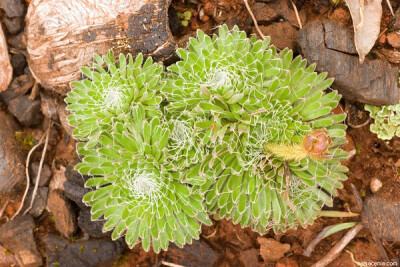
(167, 149)
(386, 120)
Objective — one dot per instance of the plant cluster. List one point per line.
(234, 128)
(386, 120)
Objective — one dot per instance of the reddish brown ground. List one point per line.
(374, 159)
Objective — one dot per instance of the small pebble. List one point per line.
(375, 185)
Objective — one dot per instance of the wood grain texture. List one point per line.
(63, 35)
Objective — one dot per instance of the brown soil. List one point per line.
(239, 247)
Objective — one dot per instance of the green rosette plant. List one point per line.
(386, 120)
(274, 142)
(137, 158)
(110, 90)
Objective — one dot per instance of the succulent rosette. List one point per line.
(109, 91)
(386, 120)
(137, 190)
(274, 142)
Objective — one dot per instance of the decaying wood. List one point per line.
(11, 155)
(63, 35)
(6, 71)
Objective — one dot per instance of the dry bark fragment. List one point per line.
(63, 35)
(6, 71)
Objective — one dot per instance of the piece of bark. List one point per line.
(6, 71)
(382, 217)
(372, 82)
(63, 35)
(12, 170)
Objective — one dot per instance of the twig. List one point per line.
(359, 125)
(171, 264)
(287, 180)
(27, 176)
(337, 249)
(390, 7)
(254, 19)
(315, 241)
(297, 14)
(4, 208)
(357, 196)
(46, 142)
(35, 91)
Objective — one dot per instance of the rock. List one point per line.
(6, 259)
(264, 12)
(346, 41)
(393, 39)
(282, 34)
(396, 21)
(18, 87)
(45, 174)
(373, 82)
(49, 106)
(81, 253)
(382, 217)
(13, 8)
(62, 115)
(18, 63)
(14, 25)
(375, 185)
(12, 161)
(17, 236)
(17, 41)
(198, 253)
(287, 262)
(75, 193)
(268, 12)
(392, 55)
(62, 35)
(40, 202)
(58, 179)
(64, 216)
(272, 250)
(93, 228)
(25, 110)
(6, 71)
(249, 258)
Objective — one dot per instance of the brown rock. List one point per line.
(382, 217)
(265, 12)
(6, 71)
(64, 216)
(394, 39)
(282, 34)
(27, 111)
(6, 259)
(45, 174)
(272, 250)
(373, 82)
(48, 105)
(12, 170)
(209, 9)
(249, 257)
(382, 39)
(62, 35)
(17, 236)
(198, 253)
(287, 262)
(18, 87)
(62, 115)
(341, 15)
